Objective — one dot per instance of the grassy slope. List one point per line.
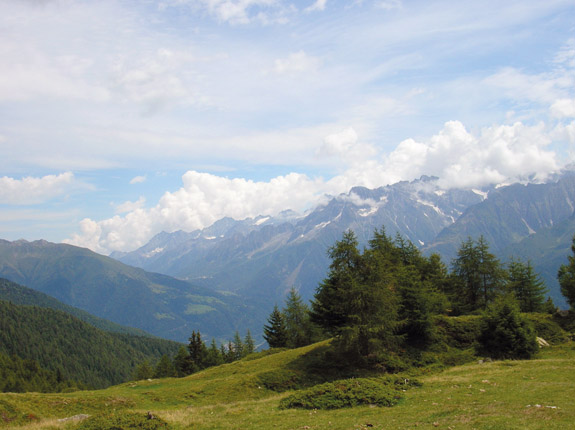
(483, 396)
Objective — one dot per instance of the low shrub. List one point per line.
(348, 393)
(458, 332)
(124, 421)
(547, 328)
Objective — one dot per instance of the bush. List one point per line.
(123, 421)
(547, 328)
(348, 393)
(458, 332)
(505, 334)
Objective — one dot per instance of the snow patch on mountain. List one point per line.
(153, 252)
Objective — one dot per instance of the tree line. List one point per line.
(381, 300)
(197, 356)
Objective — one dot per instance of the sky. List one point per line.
(120, 119)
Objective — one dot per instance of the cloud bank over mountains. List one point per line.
(122, 119)
(460, 159)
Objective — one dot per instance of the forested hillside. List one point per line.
(20, 295)
(79, 351)
(161, 305)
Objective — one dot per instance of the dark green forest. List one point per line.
(20, 295)
(77, 351)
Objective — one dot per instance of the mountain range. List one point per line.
(262, 258)
(228, 276)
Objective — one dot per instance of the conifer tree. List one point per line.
(356, 302)
(505, 334)
(143, 371)
(249, 344)
(478, 274)
(238, 346)
(182, 362)
(528, 288)
(214, 356)
(275, 331)
(566, 277)
(198, 352)
(165, 368)
(297, 321)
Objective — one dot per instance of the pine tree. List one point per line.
(238, 346)
(143, 371)
(198, 352)
(182, 362)
(275, 331)
(298, 324)
(214, 356)
(505, 334)
(249, 344)
(528, 288)
(330, 306)
(356, 302)
(566, 277)
(165, 368)
(478, 273)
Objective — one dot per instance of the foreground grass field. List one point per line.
(534, 394)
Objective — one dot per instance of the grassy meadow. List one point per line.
(533, 394)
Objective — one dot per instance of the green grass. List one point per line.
(492, 395)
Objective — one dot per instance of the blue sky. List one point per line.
(120, 119)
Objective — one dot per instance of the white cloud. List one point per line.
(563, 108)
(202, 200)
(389, 4)
(319, 5)
(131, 206)
(138, 180)
(460, 158)
(31, 191)
(240, 12)
(298, 62)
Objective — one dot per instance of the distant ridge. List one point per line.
(20, 295)
(158, 304)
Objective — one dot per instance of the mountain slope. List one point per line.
(158, 304)
(509, 215)
(20, 295)
(547, 250)
(61, 342)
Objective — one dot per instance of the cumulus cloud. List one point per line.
(30, 190)
(461, 159)
(131, 206)
(202, 200)
(563, 108)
